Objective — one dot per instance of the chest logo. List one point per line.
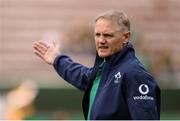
(117, 77)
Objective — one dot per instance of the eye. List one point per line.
(108, 35)
(97, 34)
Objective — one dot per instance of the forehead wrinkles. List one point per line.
(103, 25)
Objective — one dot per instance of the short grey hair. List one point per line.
(117, 16)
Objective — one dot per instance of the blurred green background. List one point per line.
(66, 104)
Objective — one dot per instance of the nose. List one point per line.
(102, 40)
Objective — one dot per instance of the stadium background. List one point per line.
(155, 26)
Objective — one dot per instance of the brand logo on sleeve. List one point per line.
(144, 90)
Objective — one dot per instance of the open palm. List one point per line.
(48, 52)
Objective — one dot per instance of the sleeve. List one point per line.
(143, 96)
(74, 73)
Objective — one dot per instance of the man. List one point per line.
(117, 86)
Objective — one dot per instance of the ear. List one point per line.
(126, 37)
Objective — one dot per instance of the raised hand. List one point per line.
(48, 52)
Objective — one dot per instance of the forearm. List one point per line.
(74, 73)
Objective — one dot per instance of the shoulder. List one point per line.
(135, 73)
(132, 67)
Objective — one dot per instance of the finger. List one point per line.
(39, 54)
(41, 45)
(39, 49)
(45, 44)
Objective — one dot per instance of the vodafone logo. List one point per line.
(143, 89)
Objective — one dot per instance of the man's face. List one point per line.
(108, 37)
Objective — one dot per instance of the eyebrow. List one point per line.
(111, 32)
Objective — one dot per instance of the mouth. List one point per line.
(103, 47)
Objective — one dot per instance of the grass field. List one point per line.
(77, 115)
(170, 115)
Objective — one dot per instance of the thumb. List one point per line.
(56, 44)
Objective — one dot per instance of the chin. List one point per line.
(102, 55)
